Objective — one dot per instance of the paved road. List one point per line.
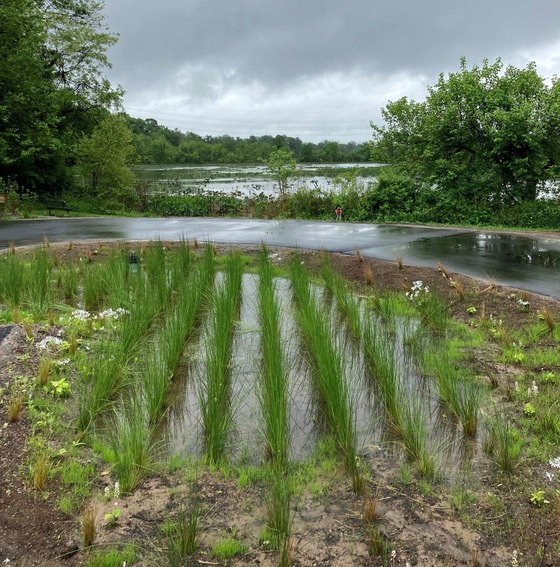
(519, 261)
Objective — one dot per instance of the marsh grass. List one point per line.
(131, 439)
(215, 390)
(502, 443)
(278, 511)
(40, 469)
(11, 280)
(273, 385)
(93, 286)
(38, 282)
(101, 382)
(434, 313)
(462, 395)
(181, 534)
(15, 406)
(88, 522)
(414, 432)
(347, 303)
(335, 401)
(380, 353)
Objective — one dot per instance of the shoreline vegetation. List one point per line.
(382, 199)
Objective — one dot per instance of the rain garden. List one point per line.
(172, 355)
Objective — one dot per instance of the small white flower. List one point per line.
(47, 341)
(516, 386)
(549, 475)
(555, 463)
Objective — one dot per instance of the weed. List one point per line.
(89, 516)
(15, 406)
(228, 548)
(399, 262)
(40, 471)
(359, 256)
(112, 518)
(371, 506)
(368, 275)
(44, 371)
(443, 271)
(538, 498)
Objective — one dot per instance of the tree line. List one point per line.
(157, 144)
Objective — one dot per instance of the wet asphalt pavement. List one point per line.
(518, 261)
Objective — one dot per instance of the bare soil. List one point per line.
(417, 520)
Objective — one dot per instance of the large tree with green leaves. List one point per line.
(104, 157)
(52, 90)
(485, 134)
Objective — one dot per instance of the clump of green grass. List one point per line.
(502, 442)
(181, 534)
(131, 439)
(111, 557)
(228, 548)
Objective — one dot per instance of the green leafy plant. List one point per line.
(59, 388)
(529, 410)
(538, 498)
(112, 518)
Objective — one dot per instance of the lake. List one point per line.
(251, 180)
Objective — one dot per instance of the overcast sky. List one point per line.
(313, 69)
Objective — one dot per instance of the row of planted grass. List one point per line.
(143, 403)
(378, 337)
(273, 398)
(335, 400)
(215, 390)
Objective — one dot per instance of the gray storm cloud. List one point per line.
(210, 47)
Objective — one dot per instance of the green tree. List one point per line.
(282, 166)
(104, 156)
(51, 86)
(481, 135)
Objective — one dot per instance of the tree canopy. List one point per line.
(486, 134)
(52, 90)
